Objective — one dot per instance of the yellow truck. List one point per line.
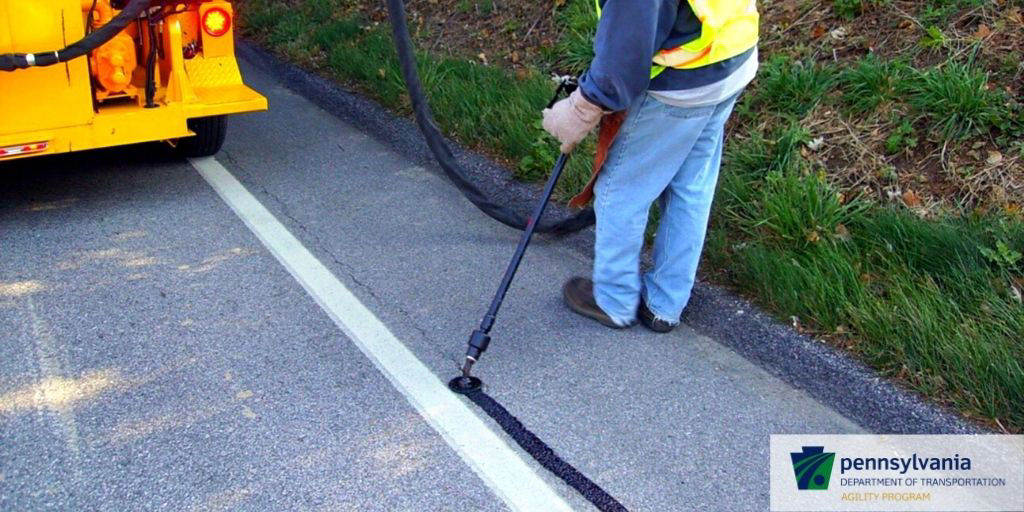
(84, 74)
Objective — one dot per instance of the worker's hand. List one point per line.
(571, 119)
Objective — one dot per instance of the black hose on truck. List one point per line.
(443, 154)
(92, 41)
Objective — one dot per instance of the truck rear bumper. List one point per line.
(116, 125)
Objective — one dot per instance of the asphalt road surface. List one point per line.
(271, 329)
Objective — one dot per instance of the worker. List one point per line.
(661, 139)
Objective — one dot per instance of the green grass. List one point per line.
(936, 12)
(850, 9)
(483, 106)
(930, 302)
(575, 47)
(957, 100)
(871, 82)
(791, 87)
(330, 34)
(946, 337)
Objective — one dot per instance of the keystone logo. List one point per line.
(813, 468)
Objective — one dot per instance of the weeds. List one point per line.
(1002, 255)
(901, 139)
(933, 39)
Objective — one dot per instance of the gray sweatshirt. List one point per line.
(628, 36)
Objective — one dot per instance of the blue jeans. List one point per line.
(665, 153)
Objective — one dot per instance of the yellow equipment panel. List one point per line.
(43, 98)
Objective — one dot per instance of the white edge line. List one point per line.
(497, 464)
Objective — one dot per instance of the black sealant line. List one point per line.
(543, 454)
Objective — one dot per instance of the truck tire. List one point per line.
(209, 137)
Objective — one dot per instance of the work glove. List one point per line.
(571, 119)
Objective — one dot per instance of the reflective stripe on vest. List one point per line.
(728, 28)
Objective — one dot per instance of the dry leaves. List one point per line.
(843, 233)
(911, 199)
(1014, 14)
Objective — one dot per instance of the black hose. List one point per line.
(151, 65)
(92, 41)
(440, 149)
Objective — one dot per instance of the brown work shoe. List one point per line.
(579, 296)
(651, 321)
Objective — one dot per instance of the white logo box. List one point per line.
(901, 473)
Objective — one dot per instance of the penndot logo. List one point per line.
(813, 468)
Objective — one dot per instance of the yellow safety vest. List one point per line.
(728, 28)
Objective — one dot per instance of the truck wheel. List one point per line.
(209, 137)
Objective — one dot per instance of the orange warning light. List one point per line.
(216, 22)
